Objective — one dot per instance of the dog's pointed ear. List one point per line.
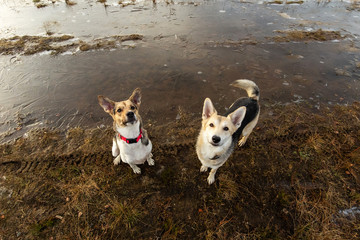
(107, 104)
(237, 116)
(208, 109)
(136, 97)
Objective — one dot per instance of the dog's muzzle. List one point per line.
(131, 117)
(215, 140)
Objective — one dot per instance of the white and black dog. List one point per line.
(220, 134)
(130, 143)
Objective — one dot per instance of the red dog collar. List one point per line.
(131, 140)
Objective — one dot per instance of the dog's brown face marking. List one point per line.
(123, 112)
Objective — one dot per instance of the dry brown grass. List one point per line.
(318, 35)
(295, 174)
(70, 3)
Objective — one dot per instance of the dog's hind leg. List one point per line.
(242, 141)
(145, 138)
(247, 130)
(115, 148)
(135, 168)
(211, 177)
(117, 160)
(150, 160)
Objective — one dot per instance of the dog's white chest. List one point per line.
(135, 153)
(212, 158)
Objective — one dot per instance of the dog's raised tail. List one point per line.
(249, 86)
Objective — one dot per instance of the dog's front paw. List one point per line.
(203, 168)
(211, 179)
(151, 162)
(115, 150)
(117, 160)
(136, 169)
(241, 142)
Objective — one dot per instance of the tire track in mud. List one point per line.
(165, 150)
(50, 162)
(80, 159)
(46, 163)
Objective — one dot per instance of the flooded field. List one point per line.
(182, 52)
(296, 177)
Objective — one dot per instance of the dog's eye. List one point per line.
(132, 107)
(211, 125)
(226, 128)
(119, 110)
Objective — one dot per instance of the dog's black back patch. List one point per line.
(252, 109)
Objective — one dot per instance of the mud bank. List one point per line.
(29, 45)
(293, 179)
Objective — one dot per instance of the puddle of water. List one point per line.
(189, 52)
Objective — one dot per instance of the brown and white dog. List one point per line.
(130, 143)
(220, 134)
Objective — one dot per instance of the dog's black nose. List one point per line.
(216, 139)
(130, 114)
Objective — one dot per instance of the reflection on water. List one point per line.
(189, 52)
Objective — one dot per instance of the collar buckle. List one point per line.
(131, 140)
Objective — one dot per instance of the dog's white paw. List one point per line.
(211, 179)
(136, 169)
(241, 142)
(117, 160)
(203, 168)
(150, 161)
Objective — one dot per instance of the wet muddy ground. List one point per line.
(297, 176)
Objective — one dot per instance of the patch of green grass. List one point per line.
(167, 176)
(304, 155)
(36, 229)
(284, 199)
